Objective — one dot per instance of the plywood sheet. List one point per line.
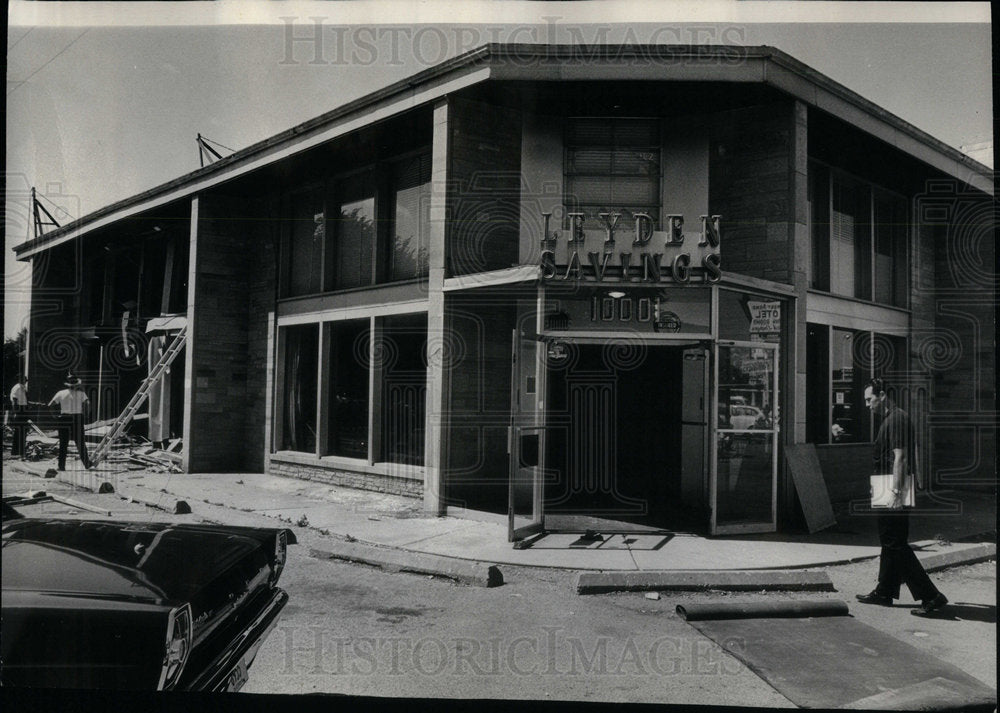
(810, 486)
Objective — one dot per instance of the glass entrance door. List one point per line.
(525, 441)
(744, 473)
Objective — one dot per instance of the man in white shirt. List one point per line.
(18, 403)
(72, 402)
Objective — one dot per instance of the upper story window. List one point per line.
(613, 166)
(410, 222)
(351, 224)
(858, 238)
(306, 238)
(358, 229)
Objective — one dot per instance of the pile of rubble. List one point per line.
(148, 457)
(129, 452)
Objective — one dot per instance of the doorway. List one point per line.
(625, 435)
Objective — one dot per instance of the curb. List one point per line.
(480, 573)
(477, 574)
(702, 580)
(967, 555)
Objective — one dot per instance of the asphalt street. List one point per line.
(354, 630)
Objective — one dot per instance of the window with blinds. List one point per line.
(858, 238)
(613, 165)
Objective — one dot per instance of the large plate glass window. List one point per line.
(401, 356)
(839, 363)
(298, 412)
(347, 379)
(848, 416)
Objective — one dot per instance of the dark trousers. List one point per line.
(72, 424)
(898, 564)
(19, 424)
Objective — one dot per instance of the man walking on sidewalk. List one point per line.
(72, 402)
(894, 453)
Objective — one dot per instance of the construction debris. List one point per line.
(81, 505)
(127, 453)
(154, 458)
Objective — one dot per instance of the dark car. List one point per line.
(136, 605)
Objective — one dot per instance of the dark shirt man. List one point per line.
(893, 452)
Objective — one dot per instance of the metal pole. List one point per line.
(100, 379)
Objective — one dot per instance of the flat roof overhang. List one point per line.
(521, 62)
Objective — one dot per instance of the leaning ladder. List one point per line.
(139, 398)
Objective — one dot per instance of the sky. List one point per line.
(104, 100)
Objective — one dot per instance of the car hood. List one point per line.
(155, 562)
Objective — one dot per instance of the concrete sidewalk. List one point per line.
(344, 515)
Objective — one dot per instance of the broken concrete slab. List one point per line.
(966, 555)
(703, 580)
(395, 560)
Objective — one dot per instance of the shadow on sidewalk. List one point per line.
(945, 516)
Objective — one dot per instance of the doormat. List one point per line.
(818, 656)
(646, 541)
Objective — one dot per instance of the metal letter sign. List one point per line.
(598, 264)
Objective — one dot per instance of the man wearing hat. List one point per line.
(72, 402)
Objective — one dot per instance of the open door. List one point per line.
(744, 468)
(694, 426)
(525, 441)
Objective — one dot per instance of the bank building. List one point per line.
(551, 283)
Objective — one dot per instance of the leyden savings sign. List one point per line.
(635, 253)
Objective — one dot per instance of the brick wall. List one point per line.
(750, 180)
(484, 172)
(362, 481)
(261, 292)
(220, 404)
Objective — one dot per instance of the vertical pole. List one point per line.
(436, 435)
(190, 446)
(34, 212)
(100, 381)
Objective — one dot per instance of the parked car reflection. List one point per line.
(743, 417)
